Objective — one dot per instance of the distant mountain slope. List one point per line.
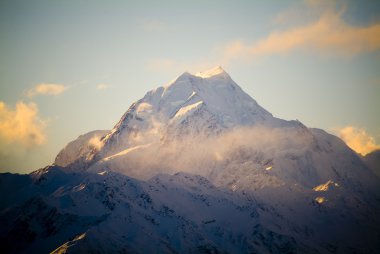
(373, 161)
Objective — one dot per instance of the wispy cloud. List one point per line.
(21, 125)
(329, 33)
(358, 139)
(102, 86)
(46, 89)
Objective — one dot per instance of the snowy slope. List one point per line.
(83, 213)
(180, 213)
(372, 160)
(196, 166)
(80, 147)
(215, 96)
(202, 123)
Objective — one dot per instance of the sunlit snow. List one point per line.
(320, 200)
(79, 187)
(325, 186)
(213, 72)
(187, 109)
(64, 247)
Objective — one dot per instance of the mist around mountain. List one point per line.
(196, 166)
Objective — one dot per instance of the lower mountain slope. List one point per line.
(56, 210)
(107, 213)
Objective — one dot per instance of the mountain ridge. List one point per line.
(178, 116)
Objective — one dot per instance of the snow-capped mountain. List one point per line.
(203, 124)
(196, 166)
(189, 104)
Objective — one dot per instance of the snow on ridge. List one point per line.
(325, 186)
(187, 109)
(124, 152)
(80, 147)
(216, 71)
(144, 107)
(64, 247)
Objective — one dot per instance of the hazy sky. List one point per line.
(69, 67)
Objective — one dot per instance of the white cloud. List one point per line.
(358, 139)
(102, 87)
(21, 125)
(46, 89)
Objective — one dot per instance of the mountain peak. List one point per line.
(216, 71)
(206, 102)
(219, 94)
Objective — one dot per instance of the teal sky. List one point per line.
(316, 61)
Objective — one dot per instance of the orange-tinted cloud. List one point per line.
(328, 34)
(46, 89)
(358, 139)
(21, 125)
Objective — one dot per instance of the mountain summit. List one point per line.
(216, 71)
(196, 166)
(205, 103)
